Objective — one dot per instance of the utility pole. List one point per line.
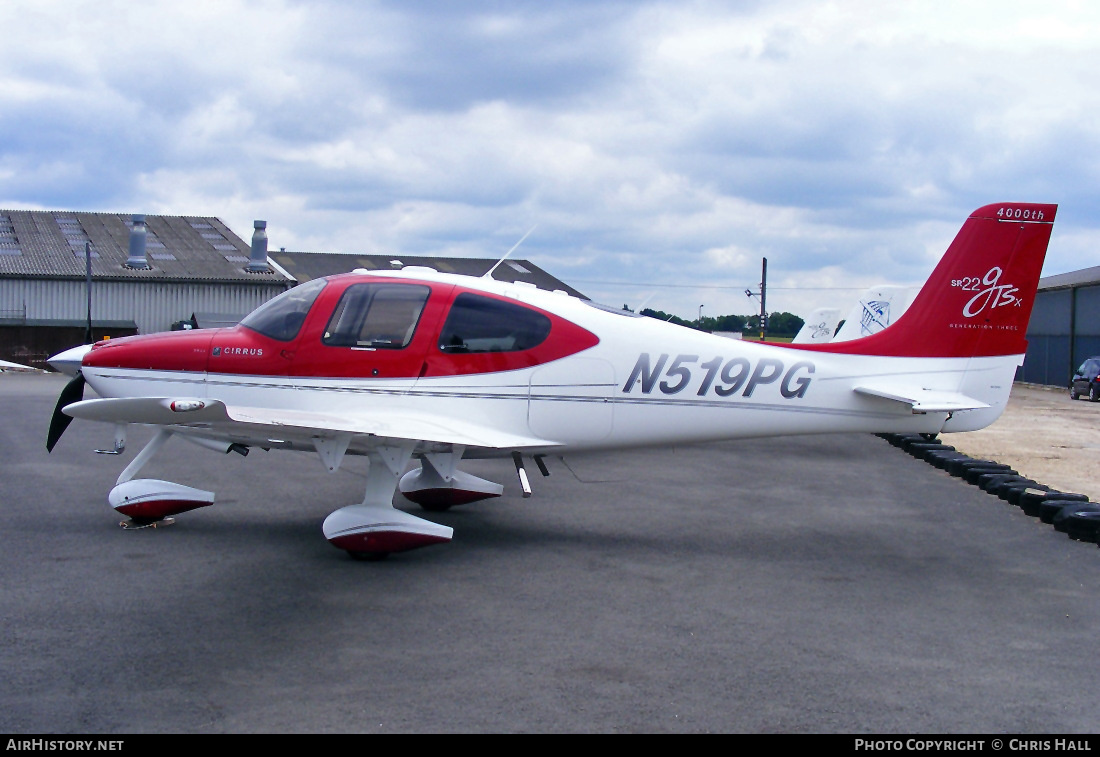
(764, 300)
(763, 295)
(88, 279)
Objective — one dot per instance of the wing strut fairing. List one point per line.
(375, 528)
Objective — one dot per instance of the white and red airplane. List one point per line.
(416, 365)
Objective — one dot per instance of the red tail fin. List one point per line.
(978, 300)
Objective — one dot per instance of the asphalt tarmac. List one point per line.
(803, 585)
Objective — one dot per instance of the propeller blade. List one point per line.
(73, 392)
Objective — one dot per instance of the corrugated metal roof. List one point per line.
(50, 244)
(1084, 277)
(305, 266)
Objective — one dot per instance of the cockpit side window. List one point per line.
(376, 316)
(282, 317)
(482, 324)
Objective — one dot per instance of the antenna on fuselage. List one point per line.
(489, 273)
(645, 302)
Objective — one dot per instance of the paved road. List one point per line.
(823, 585)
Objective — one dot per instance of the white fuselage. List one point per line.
(645, 383)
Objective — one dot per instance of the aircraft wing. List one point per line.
(923, 400)
(214, 416)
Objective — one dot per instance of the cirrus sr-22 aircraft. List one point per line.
(414, 367)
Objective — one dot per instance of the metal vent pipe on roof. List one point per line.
(138, 233)
(258, 260)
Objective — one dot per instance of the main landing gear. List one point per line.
(150, 502)
(370, 530)
(374, 529)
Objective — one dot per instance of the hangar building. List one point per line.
(144, 274)
(1065, 327)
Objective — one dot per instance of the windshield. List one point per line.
(282, 317)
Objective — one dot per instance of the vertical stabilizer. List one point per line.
(819, 327)
(978, 300)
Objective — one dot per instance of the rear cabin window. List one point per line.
(482, 324)
(378, 316)
(282, 317)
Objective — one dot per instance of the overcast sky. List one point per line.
(659, 150)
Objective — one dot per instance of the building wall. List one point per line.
(153, 306)
(1048, 339)
(1086, 323)
(31, 344)
(1063, 331)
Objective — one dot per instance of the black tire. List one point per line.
(1013, 494)
(1076, 514)
(941, 459)
(1049, 508)
(1083, 525)
(920, 451)
(1032, 504)
(1073, 393)
(983, 480)
(960, 467)
(1094, 393)
(974, 474)
(991, 483)
(1004, 490)
(1017, 480)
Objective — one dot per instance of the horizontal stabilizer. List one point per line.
(216, 417)
(924, 400)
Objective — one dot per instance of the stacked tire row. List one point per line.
(1068, 512)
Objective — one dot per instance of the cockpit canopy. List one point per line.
(385, 315)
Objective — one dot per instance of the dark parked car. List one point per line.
(1086, 381)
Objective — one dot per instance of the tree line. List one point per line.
(778, 324)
